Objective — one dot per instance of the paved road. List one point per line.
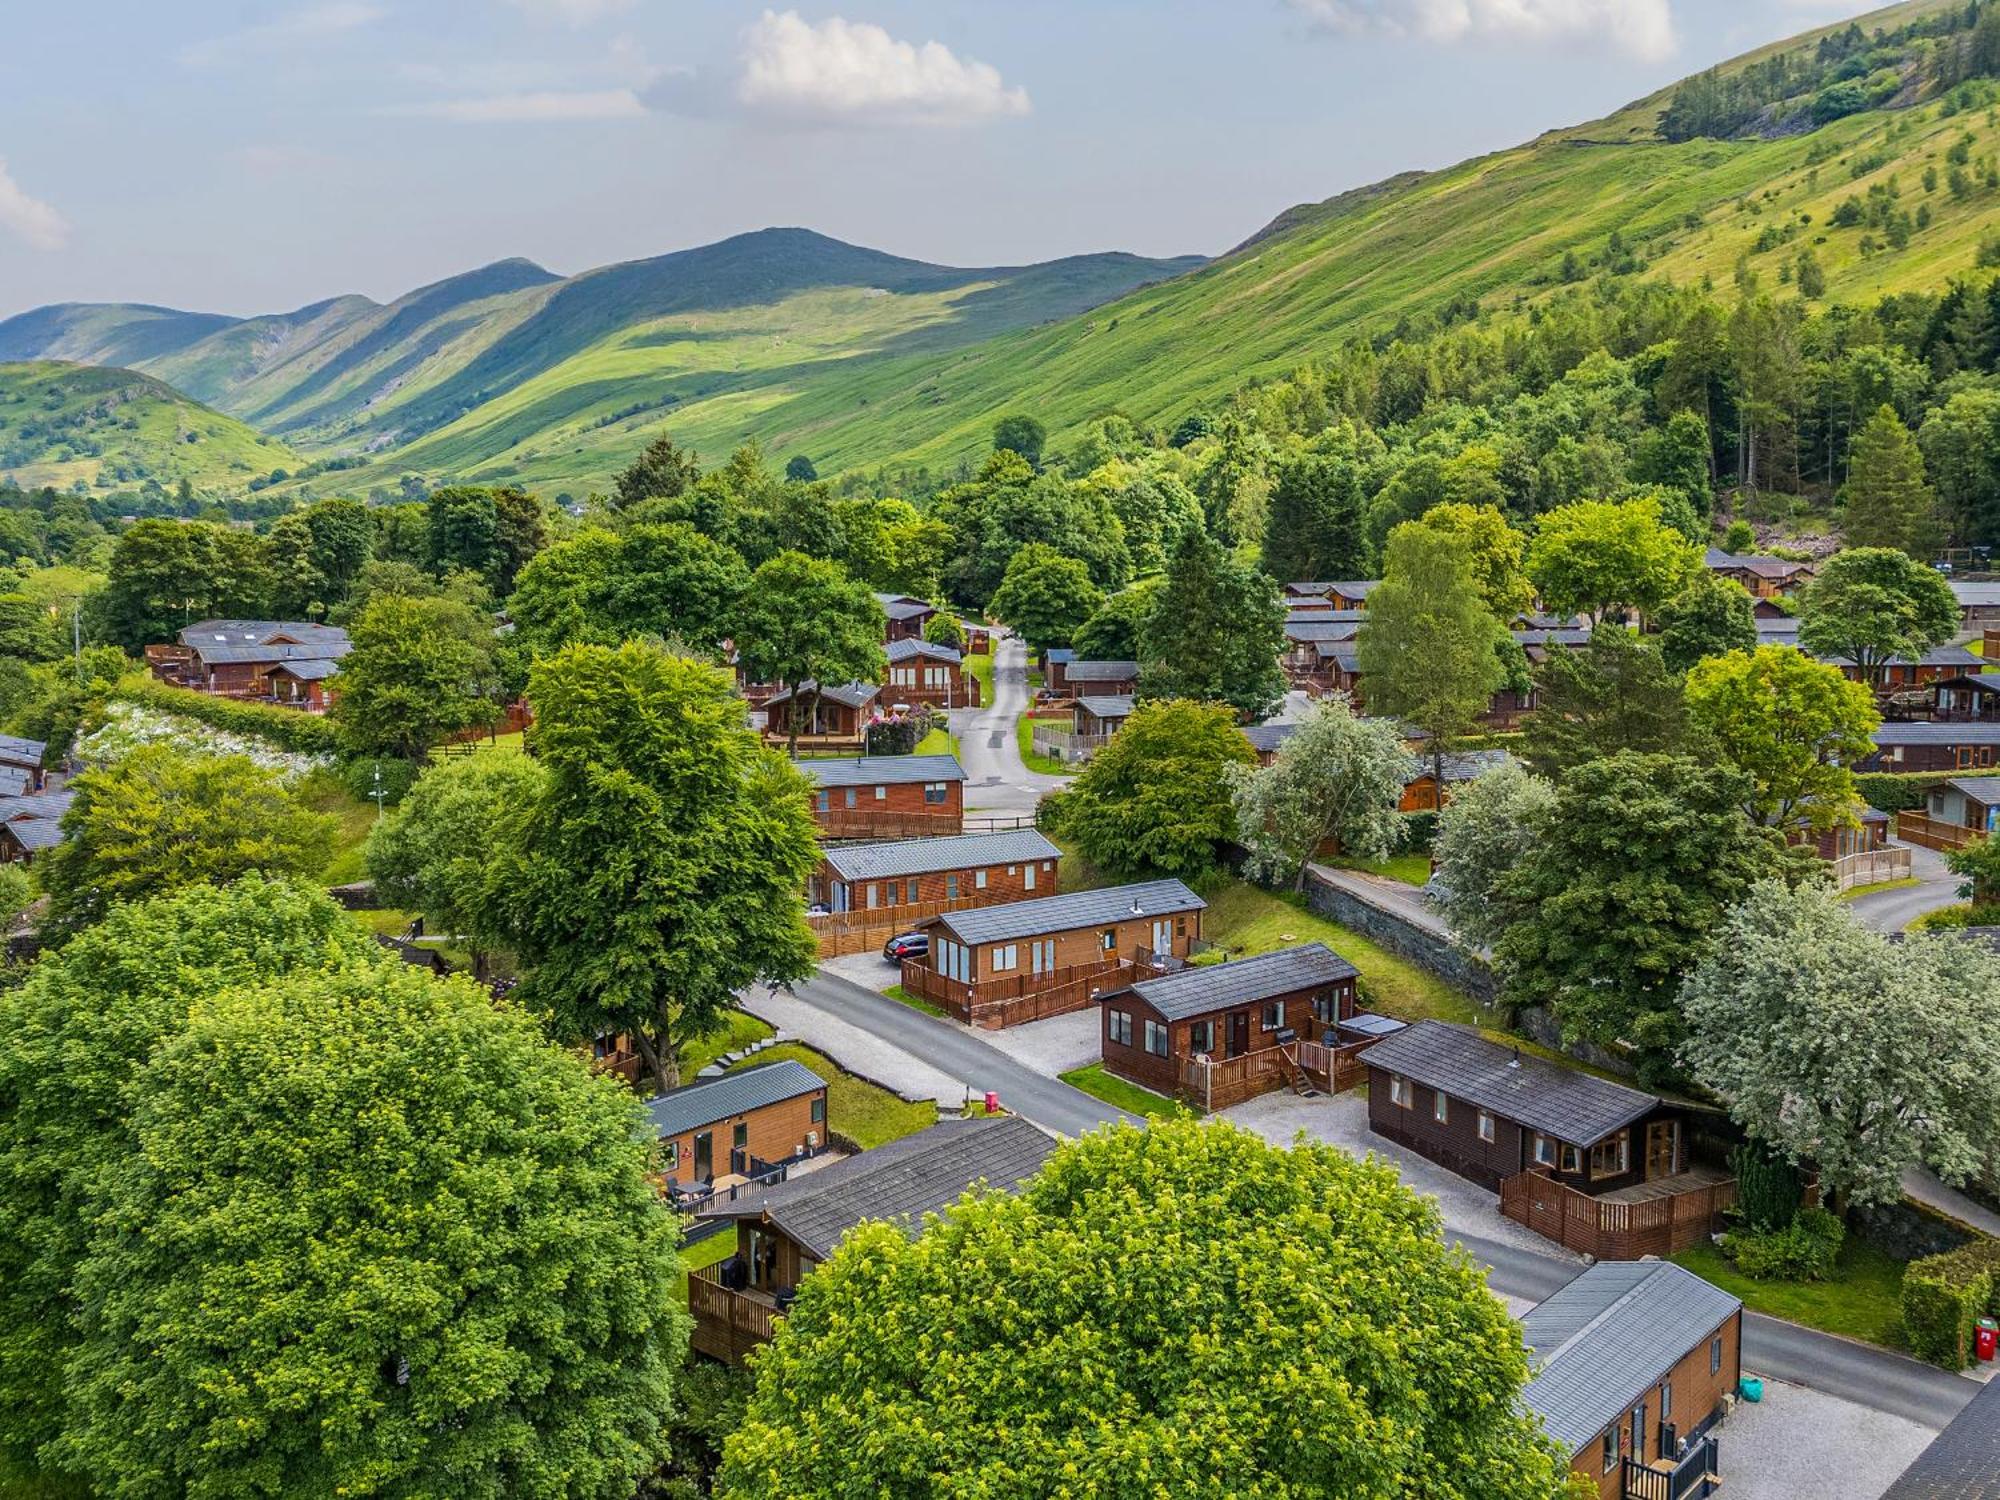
(1892, 911)
(1049, 1102)
(996, 779)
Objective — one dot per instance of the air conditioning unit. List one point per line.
(812, 1140)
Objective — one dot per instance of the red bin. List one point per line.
(1985, 1338)
(993, 1108)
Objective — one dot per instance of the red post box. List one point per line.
(1985, 1337)
(993, 1108)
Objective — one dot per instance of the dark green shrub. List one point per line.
(1944, 1296)
(1419, 829)
(1902, 791)
(1803, 1251)
(1769, 1189)
(357, 774)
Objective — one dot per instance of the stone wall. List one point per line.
(1404, 938)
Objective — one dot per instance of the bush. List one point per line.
(1769, 1189)
(1803, 1251)
(1419, 831)
(289, 728)
(358, 776)
(1951, 918)
(1903, 791)
(1944, 1296)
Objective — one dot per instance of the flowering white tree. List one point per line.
(1338, 776)
(1844, 1051)
(1489, 824)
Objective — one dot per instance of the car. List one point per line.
(1435, 891)
(907, 945)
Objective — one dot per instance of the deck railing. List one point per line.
(1015, 999)
(1870, 867)
(727, 1324)
(1614, 1230)
(1696, 1473)
(1915, 828)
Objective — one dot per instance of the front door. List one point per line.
(1239, 1033)
(1163, 936)
(1662, 1139)
(704, 1157)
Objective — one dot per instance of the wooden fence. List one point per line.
(1020, 998)
(727, 1325)
(1915, 828)
(858, 931)
(1871, 867)
(1614, 1231)
(861, 823)
(1219, 1082)
(1066, 745)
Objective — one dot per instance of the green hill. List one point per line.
(63, 423)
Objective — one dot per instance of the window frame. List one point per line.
(1402, 1093)
(1157, 1029)
(1120, 1027)
(1489, 1128)
(1440, 1107)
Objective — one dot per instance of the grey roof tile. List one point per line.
(14, 748)
(1569, 1105)
(1101, 671)
(1938, 734)
(1100, 908)
(884, 770)
(968, 851)
(910, 646)
(1610, 1334)
(1985, 790)
(1198, 991)
(849, 694)
(1107, 708)
(696, 1104)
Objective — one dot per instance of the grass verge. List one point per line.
(981, 667)
(1120, 1094)
(1856, 892)
(1862, 1301)
(739, 1031)
(1411, 869)
(712, 1251)
(916, 1002)
(937, 742)
(353, 817)
(866, 1115)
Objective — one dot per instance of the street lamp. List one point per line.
(377, 793)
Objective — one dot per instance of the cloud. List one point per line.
(313, 24)
(540, 106)
(30, 220)
(1637, 28)
(854, 72)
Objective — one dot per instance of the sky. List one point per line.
(239, 156)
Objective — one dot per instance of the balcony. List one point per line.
(1697, 1472)
(728, 1324)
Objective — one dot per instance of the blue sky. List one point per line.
(243, 156)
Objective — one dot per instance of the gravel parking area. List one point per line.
(1053, 1046)
(859, 1052)
(870, 970)
(1343, 1121)
(1797, 1444)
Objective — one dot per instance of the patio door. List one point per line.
(1662, 1147)
(1163, 936)
(704, 1156)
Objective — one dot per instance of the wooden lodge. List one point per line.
(786, 1229)
(1099, 679)
(21, 770)
(1351, 594)
(1604, 1169)
(1933, 747)
(1904, 673)
(1633, 1364)
(31, 824)
(1763, 577)
(1857, 853)
(1978, 607)
(907, 616)
(1967, 698)
(1097, 718)
(921, 671)
(863, 893)
(738, 1124)
(998, 966)
(1961, 810)
(1223, 1033)
(887, 796)
(830, 719)
(236, 659)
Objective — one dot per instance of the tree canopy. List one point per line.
(1888, 503)
(603, 588)
(1712, 616)
(1874, 605)
(1793, 725)
(1600, 557)
(802, 621)
(1045, 597)
(1483, 833)
(419, 670)
(1156, 799)
(1215, 632)
(1614, 694)
(1337, 777)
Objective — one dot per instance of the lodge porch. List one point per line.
(1660, 1217)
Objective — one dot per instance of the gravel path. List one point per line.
(1798, 1444)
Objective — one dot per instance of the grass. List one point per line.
(1863, 1301)
(981, 667)
(1411, 869)
(937, 742)
(1045, 765)
(1115, 1091)
(738, 1031)
(856, 1109)
(1881, 885)
(353, 817)
(916, 1002)
(712, 1251)
(1078, 873)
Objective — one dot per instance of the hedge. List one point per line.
(288, 728)
(1945, 1295)
(1904, 791)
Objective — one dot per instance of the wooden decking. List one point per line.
(1692, 1180)
(1020, 998)
(1680, 1214)
(727, 1324)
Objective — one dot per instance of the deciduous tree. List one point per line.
(420, 669)
(1045, 597)
(1712, 616)
(603, 588)
(1494, 549)
(1072, 1372)
(1155, 800)
(1873, 605)
(803, 621)
(1605, 556)
(1792, 725)
(1117, 630)
(1483, 833)
(1337, 776)
(1022, 434)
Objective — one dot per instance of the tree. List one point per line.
(164, 574)
(660, 472)
(343, 541)
(805, 623)
(375, 1233)
(1623, 892)
(1601, 556)
(1712, 616)
(1792, 725)
(420, 669)
(945, 629)
(464, 522)
(1045, 597)
(1888, 504)
(1484, 832)
(74, 1040)
(1429, 648)
(1842, 1051)
(163, 818)
(603, 588)
(1337, 777)
(431, 855)
(1313, 526)
(1007, 506)
(1262, 1261)
(1155, 800)
(800, 469)
(1215, 633)
(1961, 448)
(1116, 631)
(1979, 863)
(1020, 434)
(1614, 694)
(520, 530)
(660, 870)
(1874, 605)
(1494, 549)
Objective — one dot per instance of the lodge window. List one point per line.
(1156, 1038)
(1440, 1107)
(1121, 1027)
(1667, 1402)
(1639, 1431)
(1572, 1159)
(1042, 956)
(850, 797)
(1005, 956)
(979, 880)
(1545, 1151)
(1201, 1036)
(1274, 1014)
(1399, 1092)
(909, 891)
(1611, 1450)
(673, 1155)
(881, 794)
(1715, 1355)
(934, 793)
(819, 1109)
(951, 888)
(1609, 1158)
(824, 801)
(740, 1137)
(1486, 1126)
(1326, 1008)
(1108, 940)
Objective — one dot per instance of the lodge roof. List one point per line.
(884, 770)
(15, 750)
(1099, 908)
(1937, 734)
(847, 694)
(1613, 1332)
(708, 1100)
(969, 851)
(903, 607)
(1572, 1106)
(1101, 671)
(1198, 991)
(1107, 707)
(1985, 790)
(911, 646)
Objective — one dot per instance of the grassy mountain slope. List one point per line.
(105, 333)
(61, 423)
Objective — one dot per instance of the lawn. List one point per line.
(1411, 869)
(712, 1251)
(353, 817)
(938, 742)
(1115, 1091)
(981, 667)
(1078, 873)
(1247, 920)
(1864, 1301)
(916, 1002)
(1855, 892)
(739, 1030)
(1044, 765)
(856, 1109)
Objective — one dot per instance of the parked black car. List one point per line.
(907, 945)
